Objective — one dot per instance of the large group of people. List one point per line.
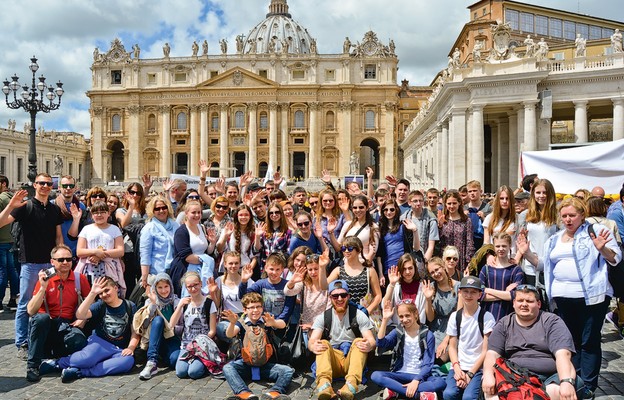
(223, 280)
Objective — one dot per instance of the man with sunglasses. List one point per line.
(71, 222)
(40, 223)
(54, 329)
(342, 345)
(536, 340)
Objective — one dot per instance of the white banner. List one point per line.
(582, 167)
(192, 182)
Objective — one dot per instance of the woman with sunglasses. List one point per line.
(239, 236)
(404, 284)
(310, 280)
(395, 238)
(220, 216)
(456, 229)
(305, 235)
(190, 194)
(360, 277)
(272, 236)
(450, 255)
(363, 227)
(328, 213)
(157, 238)
(440, 301)
(503, 215)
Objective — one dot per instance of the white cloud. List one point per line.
(63, 33)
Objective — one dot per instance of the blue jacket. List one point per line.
(592, 268)
(157, 245)
(396, 341)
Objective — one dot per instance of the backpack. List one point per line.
(458, 319)
(328, 315)
(616, 272)
(398, 350)
(256, 349)
(16, 229)
(514, 382)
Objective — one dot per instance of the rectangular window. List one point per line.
(180, 142)
(263, 73)
(180, 77)
(559, 56)
(71, 168)
(606, 33)
(555, 28)
(214, 123)
(214, 141)
(116, 77)
(47, 169)
(475, 15)
(213, 74)
(330, 74)
(595, 32)
(298, 74)
(264, 122)
(79, 178)
(299, 141)
(370, 71)
(583, 29)
(484, 11)
(20, 169)
(526, 22)
(569, 30)
(2, 165)
(151, 79)
(541, 25)
(264, 141)
(512, 17)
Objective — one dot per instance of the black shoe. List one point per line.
(587, 393)
(12, 305)
(1, 307)
(32, 375)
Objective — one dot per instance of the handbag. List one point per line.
(297, 349)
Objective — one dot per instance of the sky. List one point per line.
(63, 33)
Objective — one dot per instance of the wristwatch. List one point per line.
(571, 381)
(470, 374)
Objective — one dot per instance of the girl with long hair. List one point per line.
(328, 213)
(239, 235)
(363, 227)
(456, 229)
(503, 215)
(273, 235)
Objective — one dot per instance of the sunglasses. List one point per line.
(133, 192)
(162, 208)
(313, 203)
(312, 258)
(358, 208)
(347, 248)
(339, 296)
(274, 213)
(68, 185)
(328, 200)
(302, 224)
(192, 197)
(405, 301)
(221, 207)
(44, 183)
(98, 196)
(390, 210)
(64, 259)
(452, 259)
(528, 287)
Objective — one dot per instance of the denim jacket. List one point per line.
(156, 247)
(592, 268)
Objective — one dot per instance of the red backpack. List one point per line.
(514, 382)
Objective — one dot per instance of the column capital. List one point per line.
(477, 107)
(284, 105)
(530, 103)
(164, 108)
(458, 110)
(194, 107)
(134, 109)
(224, 106)
(390, 106)
(252, 106)
(273, 105)
(580, 103)
(314, 105)
(618, 101)
(346, 105)
(97, 111)
(203, 107)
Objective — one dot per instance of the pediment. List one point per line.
(237, 78)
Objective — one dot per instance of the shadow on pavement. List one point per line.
(9, 383)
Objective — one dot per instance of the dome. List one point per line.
(278, 32)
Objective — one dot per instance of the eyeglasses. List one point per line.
(63, 259)
(221, 207)
(451, 259)
(302, 224)
(44, 183)
(162, 208)
(339, 296)
(254, 308)
(192, 287)
(312, 258)
(274, 213)
(68, 185)
(133, 192)
(98, 196)
(347, 248)
(98, 213)
(390, 210)
(192, 197)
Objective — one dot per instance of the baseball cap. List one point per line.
(522, 196)
(471, 282)
(337, 284)
(253, 186)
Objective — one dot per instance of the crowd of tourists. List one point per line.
(249, 280)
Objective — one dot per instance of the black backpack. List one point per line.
(16, 229)
(328, 316)
(458, 319)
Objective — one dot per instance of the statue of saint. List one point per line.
(58, 165)
(346, 46)
(272, 44)
(530, 47)
(354, 164)
(456, 55)
(581, 46)
(616, 41)
(392, 47)
(285, 46)
(239, 43)
(166, 50)
(476, 51)
(205, 48)
(137, 50)
(542, 50)
(313, 46)
(96, 55)
(223, 43)
(195, 48)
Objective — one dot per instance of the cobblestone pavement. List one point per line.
(165, 385)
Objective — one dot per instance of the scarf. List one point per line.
(162, 302)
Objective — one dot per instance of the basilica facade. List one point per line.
(269, 99)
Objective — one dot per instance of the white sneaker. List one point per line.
(150, 369)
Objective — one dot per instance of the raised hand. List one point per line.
(277, 178)
(388, 310)
(601, 239)
(98, 286)
(441, 219)
(229, 228)
(247, 272)
(324, 258)
(299, 274)
(392, 180)
(151, 295)
(269, 319)
(75, 212)
(393, 275)
(428, 289)
(167, 185)
(130, 200)
(522, 244)
(369, 172)
(343, 203)
(211, 234)
(409, 224)
(204, 168)
(18, 199)
(248, 198)
(213, 288)
(147, 182)
(230, 315)
(220, 185)
(260, 229)
(318, 230)
(332, 223)
(325, 176)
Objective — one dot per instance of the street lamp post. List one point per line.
(33, 100)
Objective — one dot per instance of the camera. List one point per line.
(49, 273)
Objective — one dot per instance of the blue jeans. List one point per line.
(98, 358)
(194, 370)
(395, 380)
(8, 273)
(52, 337)
(585, 323)
(158, 347)
(471, 392)
(221, 328)
(29, 276)
(237, 371)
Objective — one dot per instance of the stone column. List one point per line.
(134, 144)
(252, 158)
(503, 154)
(495, 151)
(315, 150)
(165, 151)
(530, 126)
(513, 149)
(224, 162)
(390, 162)
(97, 177)
(273, 135)
(344, 147)
(618, 118)
(194, 143)
(284, 108)
(476, 155)
(444, 156)
(457, 144)
(203, 133)
(581, 129)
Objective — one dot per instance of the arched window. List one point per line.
(116, 123)
(329, 120)
(181, 121)
(264, 121)
(214, 122)
(370, 120)
(151, 122)
(299, 119)
(239, 120)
